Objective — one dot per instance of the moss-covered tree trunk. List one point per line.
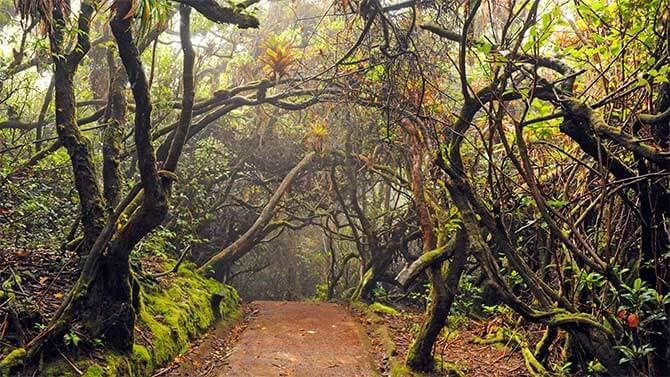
(381, 258)
(442, 293)
(77, 145)
(109, 307)
(366, 284)
(420, 353)
(102, 299)
(115, 119)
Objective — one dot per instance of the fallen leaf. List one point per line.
(22, 253)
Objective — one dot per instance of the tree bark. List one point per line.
(420, 354)
(113, 135)
(223, 260)
(77, 145)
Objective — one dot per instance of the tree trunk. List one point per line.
(420, 354)
(443, 292)
(77, 145)
(113, 135)
(366, 285)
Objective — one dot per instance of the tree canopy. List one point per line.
(472, 158)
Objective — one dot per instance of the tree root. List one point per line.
(506, 336)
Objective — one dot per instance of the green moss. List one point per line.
(380, 308)
(449, 333)
(117, 365)
(94, 371)
(175, 315)
(492, 339)
(396, 365)
(161, 347)
(534, 367)
(448, 368)
(141, 360)
(356, 296)
(60, 368)
(14, 359)
(229, 307)
(168, 319)
(399, 369)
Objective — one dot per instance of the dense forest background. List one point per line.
(482, 159)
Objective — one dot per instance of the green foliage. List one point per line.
(641, 309)
(380, 294)
(321, 292)
(36, 208)
(150, 12)
(71, 339)
(422, 297)
(562, 370)
(161, 242)
(498, 310)
(634, 353)
(469, 293)
(590, 280)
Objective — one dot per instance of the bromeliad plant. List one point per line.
(277, 57)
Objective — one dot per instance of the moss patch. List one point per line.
(94, 371)
(448, 368)
(141, 359)
(170, 316)
(380, 308)
(14, 359)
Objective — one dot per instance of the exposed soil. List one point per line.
(300, 339)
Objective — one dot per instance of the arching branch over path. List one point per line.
(224, 259)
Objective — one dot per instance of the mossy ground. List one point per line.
(170, 316)
(380, 332)
(12, 360)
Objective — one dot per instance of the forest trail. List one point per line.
(276, 339)
(299, 339)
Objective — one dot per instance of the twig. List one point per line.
(162, 371)
(176, 266)
(4, 326)
(70, 362)
(53, 281)
(17, 281)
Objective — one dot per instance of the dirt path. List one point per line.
(299, 339)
